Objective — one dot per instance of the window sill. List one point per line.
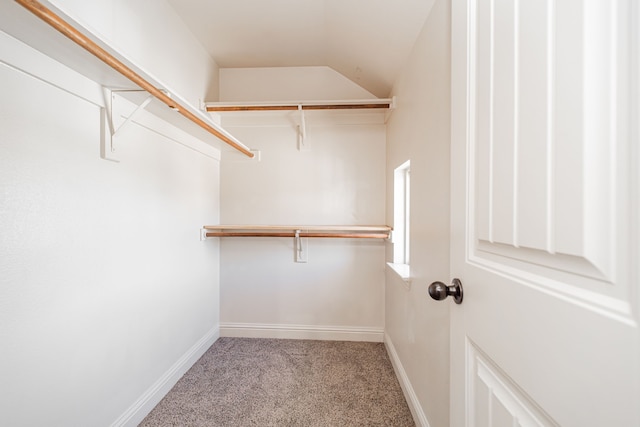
(402, 270)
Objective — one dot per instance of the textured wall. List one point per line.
(149, 33)
(287, 84)
(418, 131)
(339, 180)
(105, 286)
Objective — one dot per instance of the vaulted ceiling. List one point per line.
(368, 41)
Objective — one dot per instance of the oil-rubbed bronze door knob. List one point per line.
(439, 291)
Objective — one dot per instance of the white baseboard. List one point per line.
(412, 399)
(150, 398)
(309, 332)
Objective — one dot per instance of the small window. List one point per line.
(401, 196)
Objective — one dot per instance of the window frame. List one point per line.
(402, 214)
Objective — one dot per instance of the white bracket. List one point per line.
(112, 114)
(107, 150)
(131, 116)
(300, 247)
(303, 143)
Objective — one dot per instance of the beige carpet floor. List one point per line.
(268, 382)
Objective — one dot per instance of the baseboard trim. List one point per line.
(310, 332)
(154, 394)
(410, 395)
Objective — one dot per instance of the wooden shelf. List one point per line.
(321, 231)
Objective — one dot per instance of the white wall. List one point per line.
(287, 84)
(152, 35)
(339, 292)
(106, 292)
(417, 327)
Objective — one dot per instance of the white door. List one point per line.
(546, 213)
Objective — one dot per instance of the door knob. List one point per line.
(439, 291)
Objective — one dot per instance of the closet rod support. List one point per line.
(300, 248)
(302, 129)
(129, 118)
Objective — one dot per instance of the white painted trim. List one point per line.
(154, 394)
(287, 119)
(403, 271)
(419, 416)
(22, 57)
(309, 332)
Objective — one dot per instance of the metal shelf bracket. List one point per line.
(300, 247)
(115, 118)
(302, 131)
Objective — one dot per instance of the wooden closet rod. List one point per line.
(326, 231)
(302, 234)
(90, 46)
(294, 107)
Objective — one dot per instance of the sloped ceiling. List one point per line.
(368, 41)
